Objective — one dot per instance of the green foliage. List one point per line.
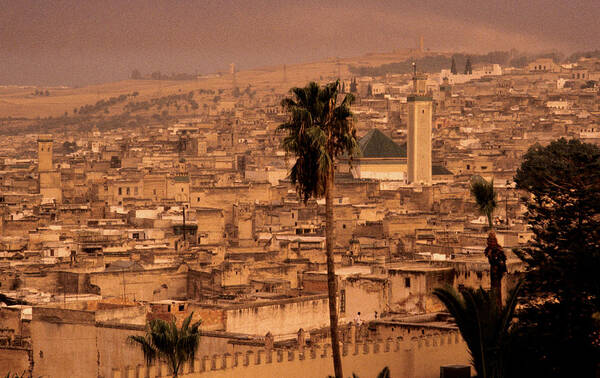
(484, 327)
(15, 375)
(163, 340)
(435, 63)
(385, 373)
(136, 74)
(468, 67)
(453, 66)
(485, 197)
(353, 86)
(583, 54)
(563, 284)
(318, 131)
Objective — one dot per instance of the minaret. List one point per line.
(49, 178)
(420, 111)
(45, 145)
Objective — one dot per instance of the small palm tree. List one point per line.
(163, 340)
(484, 327)
(485, 196)
(319, 131)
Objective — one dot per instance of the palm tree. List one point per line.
(163, 340)
(485, 196)
(318, 131)
(484, 327)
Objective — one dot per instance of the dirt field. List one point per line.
(21, 102)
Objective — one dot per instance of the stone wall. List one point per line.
(278, 317)
(415, 357)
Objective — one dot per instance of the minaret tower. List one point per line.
(49, 178)
(420, 111)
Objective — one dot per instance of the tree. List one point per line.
(163, 340)
(136, 74)
(369, 90)
(318, 131)
(562, 288)
(485, 198)
(353, 86)
(485, 327)
(468, 67)
(453, 66)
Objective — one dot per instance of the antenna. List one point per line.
(414, 66)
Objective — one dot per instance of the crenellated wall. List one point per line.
(416, 357)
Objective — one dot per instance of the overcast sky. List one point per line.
(77, 42)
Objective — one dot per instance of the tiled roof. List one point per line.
(378, 145)
(439, 170)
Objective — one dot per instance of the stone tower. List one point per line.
(49, 178)
(45, 144)
(420, 111)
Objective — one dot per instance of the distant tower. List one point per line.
(420, 111)
(233, 71)
(45, 145)
(284, 73)
(49, 178)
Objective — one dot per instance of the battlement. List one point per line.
(415, 356)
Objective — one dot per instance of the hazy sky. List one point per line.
(86, 41)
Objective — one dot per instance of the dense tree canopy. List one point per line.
(559, 333)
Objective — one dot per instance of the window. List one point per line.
(154, 191)
(407, 282)
(128, 191)
(135, 190)
(181, 307)
(484, 167)
(468, 166)
(344, 226)
(423, 111)
(120, 191)
(342, 301)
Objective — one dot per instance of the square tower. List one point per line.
(45, 144)
(420, 113)
(49, 178)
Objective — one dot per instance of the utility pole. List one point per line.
(183, 223)
(123, 274)
(506, 204)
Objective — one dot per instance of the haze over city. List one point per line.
(76, 42)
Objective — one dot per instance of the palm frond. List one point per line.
(165, 340)
(485, 196)
(317, 132)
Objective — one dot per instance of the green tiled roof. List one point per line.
(437, 170)
(378, 145)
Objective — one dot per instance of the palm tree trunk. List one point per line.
(331, 279)
(497, 261)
